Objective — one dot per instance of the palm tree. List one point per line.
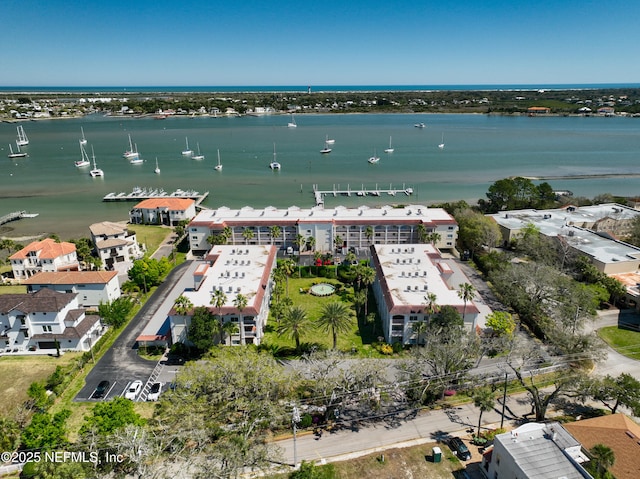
(275, 232)
(248, 235)
(182, 305)
(311, 243)
(218, 299)
(422, 232)
(432, 306)
(603, 457)
(420, 328)
(227, 232)
(466, 293)
(240, 302)
(335, 318)
(9, 245)
(288, 266)
(228, 329)
(368, 232)
(337, 241)
(294, 324)
(483, 399)
(367, 277)
(316, 256)
(434, 237)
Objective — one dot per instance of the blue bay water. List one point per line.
(479, 150)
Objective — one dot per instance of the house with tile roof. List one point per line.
(38, 321)
(163, 211)
(45, 255)
(92, 287)
(115, 244)
(616, 431)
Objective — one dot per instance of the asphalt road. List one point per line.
(121, 364)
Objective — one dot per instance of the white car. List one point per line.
(133, 390)
(154, 392)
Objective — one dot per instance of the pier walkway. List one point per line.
(362, 191)
(16, 215)
(139, 194)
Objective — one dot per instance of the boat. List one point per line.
(419, 125)
(218, 167)
(441, 145)
(157, 170)
(326, 149)
(374, 158)
(292, 123)
(187, 151)
(390, 149)
(274, 165)
(95, 172)
(83, 140)
(136, 160)
(22, 137)
(17, 154)
(329, 141)
(131, 153)
(199, 156)
(84, 158)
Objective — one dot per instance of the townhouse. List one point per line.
(46, 255)
(115, 244)
(91, 287)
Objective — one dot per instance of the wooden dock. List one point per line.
(139, 194)
(16, 215)
(362, 191)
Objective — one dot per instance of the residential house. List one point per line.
(232, 270)
(115, 244)
(405, 275)
(338, 229)
(92, 287)
(163, 211)
(46, 320)
(45, 255)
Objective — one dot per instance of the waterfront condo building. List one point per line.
(45, 255)
(163, 211)
(233, 271)
(338, 229)
(115, 244)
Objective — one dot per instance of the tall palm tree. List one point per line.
(421, 230)
(466, 293)
(368, 232)
(248, 235)
(431, 305)
(294, 324)
(603, 457)
(240, 302)
(311, 243)
(227, 232)
(335, 318)
(275, 232)
(228, 329)
(288, 266)
(218, 299)
(483, 399)
(182, 305)
(434, 237)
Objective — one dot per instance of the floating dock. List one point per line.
(139, 194)
(362, 191)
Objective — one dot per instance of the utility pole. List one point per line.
(295, 419)
(504, 399)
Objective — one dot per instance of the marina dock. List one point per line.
(362, 191)
(139, 194)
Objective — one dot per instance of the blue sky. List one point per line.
(349, 42)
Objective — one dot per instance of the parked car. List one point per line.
(459, 448)
(154, 392)
(101, 390)
(133, 390)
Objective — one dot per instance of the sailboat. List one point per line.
(95, 172)
(218, 167)
(84, 158)
(274, 165)
(199, 156)
(157, 170)
(22, 137)
(441, 145)
(187, 151)
(83, 140)
(130, 153)
(18, 154)
(374, 158)
(390, 149)
(329, 141)
(326, 149)
(292, 123)
(136, 160)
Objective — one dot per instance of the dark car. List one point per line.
(459, 448)
(100, 391)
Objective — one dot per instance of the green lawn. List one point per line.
(151, 236)
(14, 289)
(623, 341)
(360, 336)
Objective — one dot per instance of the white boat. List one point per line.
(419, 125)
(292, 123)
(136, 160)
(22, 137)
(329, 141)
(218, 167)
(326, 149)
(17, 154)
(274, 165)
(374, 158)
(95, 172)
(199, 156)
(131, 152)
(187, 151)
(84, 158)
(157, 170)
(441, 145)
(390, 149)
(83, 140)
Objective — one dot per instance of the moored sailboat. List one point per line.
(274, 165)
(199, 156)
(83, 140)
(218, 167)
(84, 158)
(95, 172)
(187, 151)
(374, 158)
(22, 137)
(17, 154)
(390, 149)
(157, 170)
(130, 153)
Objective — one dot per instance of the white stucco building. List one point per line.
(45, 255)
(92, 287)
(163, 211)
(114, 244)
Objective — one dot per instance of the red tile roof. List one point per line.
(175, 204)
(71, 277)
(48, 248)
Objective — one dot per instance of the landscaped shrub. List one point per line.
(449, 392)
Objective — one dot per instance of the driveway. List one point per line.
(121, 364)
